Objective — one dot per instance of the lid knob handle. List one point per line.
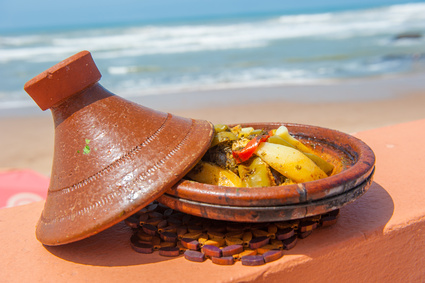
(61, 81)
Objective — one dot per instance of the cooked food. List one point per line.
(290, 162)
(248, 157)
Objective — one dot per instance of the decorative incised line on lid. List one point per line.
(114, 164)
(130, 187)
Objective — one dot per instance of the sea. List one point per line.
(139, 59)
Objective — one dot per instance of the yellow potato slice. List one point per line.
(208, 173)
(289, 162)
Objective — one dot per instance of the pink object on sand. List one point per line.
(22, 186)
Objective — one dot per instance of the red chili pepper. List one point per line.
(246, 153)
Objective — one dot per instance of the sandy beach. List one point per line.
(27, 136)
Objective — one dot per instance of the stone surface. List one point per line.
(378, 238)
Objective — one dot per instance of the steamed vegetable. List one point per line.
(248, 157)
(223, 136)
(256, 174)
(208, 173)
(323, 164)
(283, 133)
(290, 162)
(246, 153)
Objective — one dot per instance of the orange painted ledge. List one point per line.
(378, 238)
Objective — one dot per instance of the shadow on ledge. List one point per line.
(366, 216)
(110, 247)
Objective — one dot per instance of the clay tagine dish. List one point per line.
(113, 157)
(354, 164)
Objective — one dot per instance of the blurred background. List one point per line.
(347, 65)
(164, 46)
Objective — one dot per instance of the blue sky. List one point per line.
(21, 14)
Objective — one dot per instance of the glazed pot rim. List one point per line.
(254, 214)
(363, 163)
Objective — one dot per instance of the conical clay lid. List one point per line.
(112, 157)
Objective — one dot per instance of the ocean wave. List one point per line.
(226, 79)
(242, 52)
(162, 39)
(391, 19)
(17, 104)
(122, 70)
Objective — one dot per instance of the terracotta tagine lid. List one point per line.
(112, 157)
